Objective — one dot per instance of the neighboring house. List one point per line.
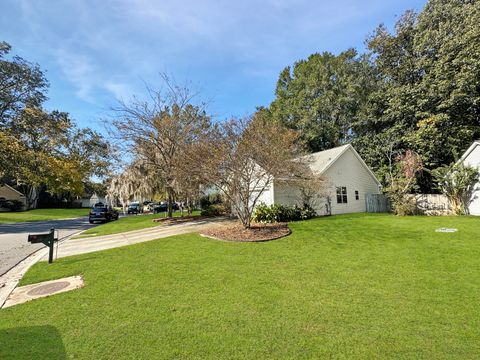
(348, 180)
(8, 193)
(88, 202)
(471, 157)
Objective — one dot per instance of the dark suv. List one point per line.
(163, 207)
(102, 213)
(134, 208)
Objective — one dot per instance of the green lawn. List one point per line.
(344, 287)
(128, 223)
(41, 215)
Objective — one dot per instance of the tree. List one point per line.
(22, 84)
(52, 152)
(245, 157)
(42, 148)
(402, 182)
(321, 97)
(428, 71)
(160, 130)
(457, 181)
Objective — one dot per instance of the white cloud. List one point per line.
(109, 45)
(121, 91)
(79, 70)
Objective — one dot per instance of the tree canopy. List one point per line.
(416, 88)
(41, 149)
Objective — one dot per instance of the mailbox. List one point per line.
(48, 239)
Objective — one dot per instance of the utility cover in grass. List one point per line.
(446, 230)
(34, 291)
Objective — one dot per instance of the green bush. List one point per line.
(406, 207)
(213, 210)
(13, 205)
(282, 213)
(208, 200)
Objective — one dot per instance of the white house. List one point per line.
(92, 200)
(348, 181)
(471, 157)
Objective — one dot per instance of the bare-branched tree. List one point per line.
(244, 158)
(137, 181)
(160, 130)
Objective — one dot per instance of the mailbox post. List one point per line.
(47, 239)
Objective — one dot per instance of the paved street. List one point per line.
(13, 238)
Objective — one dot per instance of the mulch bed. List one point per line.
(256, 233)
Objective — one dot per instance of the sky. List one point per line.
(95, 52)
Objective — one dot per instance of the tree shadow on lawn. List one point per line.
(32, 342)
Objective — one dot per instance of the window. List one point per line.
(341, 195)
(356, 195)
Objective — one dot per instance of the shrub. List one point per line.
(406, 207)
(13, 205)
(208, 200)
(281, 213)
(457, 181)
(307, 212)
(213, 210)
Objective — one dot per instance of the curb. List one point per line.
(9, 280)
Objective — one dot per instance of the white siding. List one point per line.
(473, 159)
(266, 197)
(290, 195)
(348, 171)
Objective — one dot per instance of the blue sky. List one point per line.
(95, 52)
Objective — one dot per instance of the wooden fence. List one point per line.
(377, 203)
(433, 204)
(428, 204)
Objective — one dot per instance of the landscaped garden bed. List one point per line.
(235, 231)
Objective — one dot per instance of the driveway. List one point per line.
(13, 238)
(97, 243)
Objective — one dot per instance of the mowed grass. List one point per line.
(344, 287)
(41, 215)
(128, 223)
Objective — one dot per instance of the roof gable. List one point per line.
(321, 161)
(12, 189)
(469, 150)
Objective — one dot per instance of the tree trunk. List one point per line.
(31, 196)
(170, 194)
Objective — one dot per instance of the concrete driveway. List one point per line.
(13, 238)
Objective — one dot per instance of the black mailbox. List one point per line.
(47, 239)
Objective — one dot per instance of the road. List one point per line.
(13, 238)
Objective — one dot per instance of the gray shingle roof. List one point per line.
(321, 160)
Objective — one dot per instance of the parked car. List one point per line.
(148, 206)
(134, 208)
(102, 213)
(163, 207)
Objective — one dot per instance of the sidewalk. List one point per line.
(10, 280)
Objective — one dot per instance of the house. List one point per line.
(8, 193)
(348, 181)
(471, 157)
(89, 201)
